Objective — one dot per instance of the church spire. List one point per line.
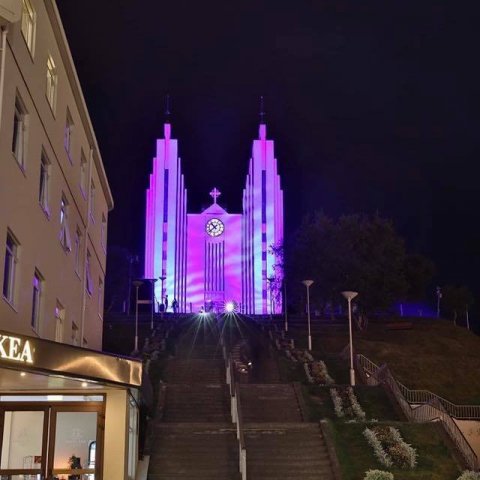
(263, 127)
(166, 125)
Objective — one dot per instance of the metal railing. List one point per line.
(235, 409)
(430, 407)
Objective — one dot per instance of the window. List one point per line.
(100, 297)
(64, 231)
(59, 321)
(68, 135)
(83, 174)
(28, 24)
(11, 260)
(89, 282)
(36, 300)
(52, 80)
(103, 233)
(19, 132)
(75, 334)
(92, 202)
(44, 183)
(78, 243)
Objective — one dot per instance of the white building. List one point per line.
(58, 395)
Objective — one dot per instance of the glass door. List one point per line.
(75, 445)
(23, 442)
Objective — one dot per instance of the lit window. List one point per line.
(19, 132)
(36, 300)
(64, 230)
(28, 24)
(11, 260)
(89, 282)
(44, 183)
(75, 334)
(52, 80)
(59, 321)
(92, 448)
(78, 243)
(68, 135)
(83, 174)
(100, 297)
(103, 237)
(92, 202)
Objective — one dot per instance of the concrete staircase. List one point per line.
(195, 438)
(287, 452)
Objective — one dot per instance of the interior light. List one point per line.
(23, 374)
(84, 384)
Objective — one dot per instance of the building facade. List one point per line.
(54, 194)
(215, 258)
(66, 410)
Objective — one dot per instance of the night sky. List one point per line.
(371, 104)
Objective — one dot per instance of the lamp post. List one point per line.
(136, 284)
(285, 304)
(308, 284)
(162, 279)
(350, 296)
(270, 283)
(152, 282)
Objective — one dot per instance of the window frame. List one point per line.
(51, 89)
(60, 316)
(83, 174)
(65, 239)
(28, 25)
(88, 274)
(38, 287)
(11, 255)
(68, 135)
(44, 190)
(19, 134)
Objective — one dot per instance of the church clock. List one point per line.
(215, 227)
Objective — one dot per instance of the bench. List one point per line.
(399, 326)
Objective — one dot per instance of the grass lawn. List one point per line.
(434, 355)
(356, 456)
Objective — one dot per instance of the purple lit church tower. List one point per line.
(214, 257)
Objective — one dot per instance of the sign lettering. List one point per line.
(14, 348)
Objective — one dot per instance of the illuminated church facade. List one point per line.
(214, 258)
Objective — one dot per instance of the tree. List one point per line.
(419, 272)
(355, 252)
(456, 300)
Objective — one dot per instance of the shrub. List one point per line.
(378, 475)
(469, 475)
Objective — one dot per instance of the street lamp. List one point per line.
(308, 284)
(152, 282)
(162, 279)
(270, 282)
(136, 284)
(350, 296)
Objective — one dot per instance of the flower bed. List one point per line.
(345, 404)
(317, 373)
(378, 475)
(390, 448)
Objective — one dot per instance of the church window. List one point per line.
(165, 196)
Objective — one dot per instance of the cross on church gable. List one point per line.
(215, 194)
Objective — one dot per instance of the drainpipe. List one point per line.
(85, 247)
(3, 48)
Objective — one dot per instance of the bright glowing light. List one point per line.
(84, 384)
(229, 307)
(23, 374)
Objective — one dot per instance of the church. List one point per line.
(214, 259)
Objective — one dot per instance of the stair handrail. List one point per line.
(433, 409)
(235, 408)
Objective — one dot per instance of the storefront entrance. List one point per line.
(52, 440)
